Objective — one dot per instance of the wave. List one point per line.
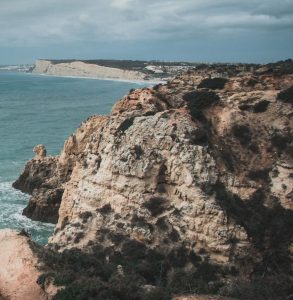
(12, 203)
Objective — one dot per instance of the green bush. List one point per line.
(281, 140)
(88, 289)
(156, 205)
(126, 124)
(242, 133)
(261, 106)
(213, 83)
(259, 174)
(192, 283)
(267, 288)
(199, 100)
(286, 95)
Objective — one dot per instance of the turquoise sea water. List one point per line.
(42, 110)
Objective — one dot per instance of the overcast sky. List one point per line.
(193, 30)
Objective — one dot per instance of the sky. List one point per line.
(181, 30)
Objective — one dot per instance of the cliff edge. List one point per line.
(82, 69)
(196, 174)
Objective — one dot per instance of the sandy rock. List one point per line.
(18, 268)
(40, 151)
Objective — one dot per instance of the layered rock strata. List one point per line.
(81, 69)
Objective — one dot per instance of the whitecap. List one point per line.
(12, 203)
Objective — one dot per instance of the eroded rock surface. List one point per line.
(18, 268)
(195, 174)
(42, 179)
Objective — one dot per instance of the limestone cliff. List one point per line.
(81, 69)
(198, 170)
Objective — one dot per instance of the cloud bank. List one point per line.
(49, 23)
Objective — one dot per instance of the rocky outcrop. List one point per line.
(40, 151)
(19, 268)
(81, 69)
(196, 175)
(40, 179)
(44, 176)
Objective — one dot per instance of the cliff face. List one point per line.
(18, 268)
(195, 174)
(81, 69)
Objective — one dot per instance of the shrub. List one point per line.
(90, 275)
(281, 140)
(199, 136)
(213, 83)
(228, 159)
(156, 205)
(134, 249)
(105, 210)
(242, 133)
(86, 290)
(275, 288)
(286, 95)
(156, 294)
(78, 237)
(199, 100)
(244, 106)
(85, 216)
(163, 224)
(262, 174)
(261, 106)
(128, 286)
(174, 235)
(126, 124)
(191, 283)
(138, 151)
(141, 222)
(251, 82)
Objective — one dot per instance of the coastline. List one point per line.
(139, 82)
(79, 69)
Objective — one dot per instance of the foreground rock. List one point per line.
(18, 268)
(201, 178)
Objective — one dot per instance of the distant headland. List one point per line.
(150, 71)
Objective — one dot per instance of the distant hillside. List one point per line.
(112, 69)
(125, 64)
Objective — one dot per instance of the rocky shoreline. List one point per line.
(183, 188)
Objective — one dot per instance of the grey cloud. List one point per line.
(53, 23)
(35, 21)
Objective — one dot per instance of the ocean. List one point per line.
(36, 109)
